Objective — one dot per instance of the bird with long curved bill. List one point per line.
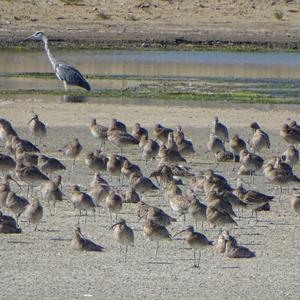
(64, 72)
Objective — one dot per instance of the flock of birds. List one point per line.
(126, 183)
(118, 181)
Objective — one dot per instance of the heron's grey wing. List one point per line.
(71, 75)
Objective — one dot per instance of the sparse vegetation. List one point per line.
(103, 16)
(72, 2)
(278, 14)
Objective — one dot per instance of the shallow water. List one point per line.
(267, 74)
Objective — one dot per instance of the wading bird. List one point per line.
(64, 72)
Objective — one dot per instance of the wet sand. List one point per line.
(41, 264)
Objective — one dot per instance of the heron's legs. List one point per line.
(65, 85)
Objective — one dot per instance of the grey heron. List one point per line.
(64, 72)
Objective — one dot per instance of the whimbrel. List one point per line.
(158, 216)
(34, 212)
(113, 203)
(259, 140)
(295, 204)
(51, 191)
(156, 232)
(7, 163)
(254, 199)
(80, 243)
(8, 224)
(124, 235)
(99, 132)
(235, 251)
(197, 241)
(237, 144)
(138, 131)
(185, 146)
(50, 165)
(72, 150)
(290, 135)
(81, 201)
(16, 204)
(291, 155)
(96, 163)
(161, 133)
(142, 183)
(37, 128)
(149, 148)
(220, 130)
(196, 209)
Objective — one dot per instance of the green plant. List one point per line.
(278, 14)
(103, 16)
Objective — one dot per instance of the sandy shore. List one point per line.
(153, 23)
(41, 264)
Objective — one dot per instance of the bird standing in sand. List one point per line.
(72, 150)
(196, 241)
(124, 235)
(37, 128)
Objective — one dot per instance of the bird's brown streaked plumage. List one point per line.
(291, 155)
(8, 224)
(99, 132)
(114, 203)
(50, 165)
(156, 232)
(260, 139)
(138, 131)
(37, 128)
(237, 144)
(161, 133)
(81, 201)
(34, 212)
(81, 243)
(197, 241)
(220, 130)
(295, 204)
(124, 235)
(51, 191)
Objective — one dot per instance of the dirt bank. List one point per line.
(158, 23)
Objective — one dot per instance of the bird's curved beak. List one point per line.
(30, 121)
(114, 225)
(179, 232)
(17, 183)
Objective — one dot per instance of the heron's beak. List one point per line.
(179, 232)
(29, 38)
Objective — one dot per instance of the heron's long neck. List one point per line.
(50, 56)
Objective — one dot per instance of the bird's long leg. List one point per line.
(49, 206)
(194, 258)
(280, 194)
(73, 165)
(120, 253)
(157, 247)
(65, 85)
(35, 228)
(199, 258)
(85, 217)
(126, 250)
(79, 216)
(251, 216)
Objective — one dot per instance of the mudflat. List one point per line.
(40, 264)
